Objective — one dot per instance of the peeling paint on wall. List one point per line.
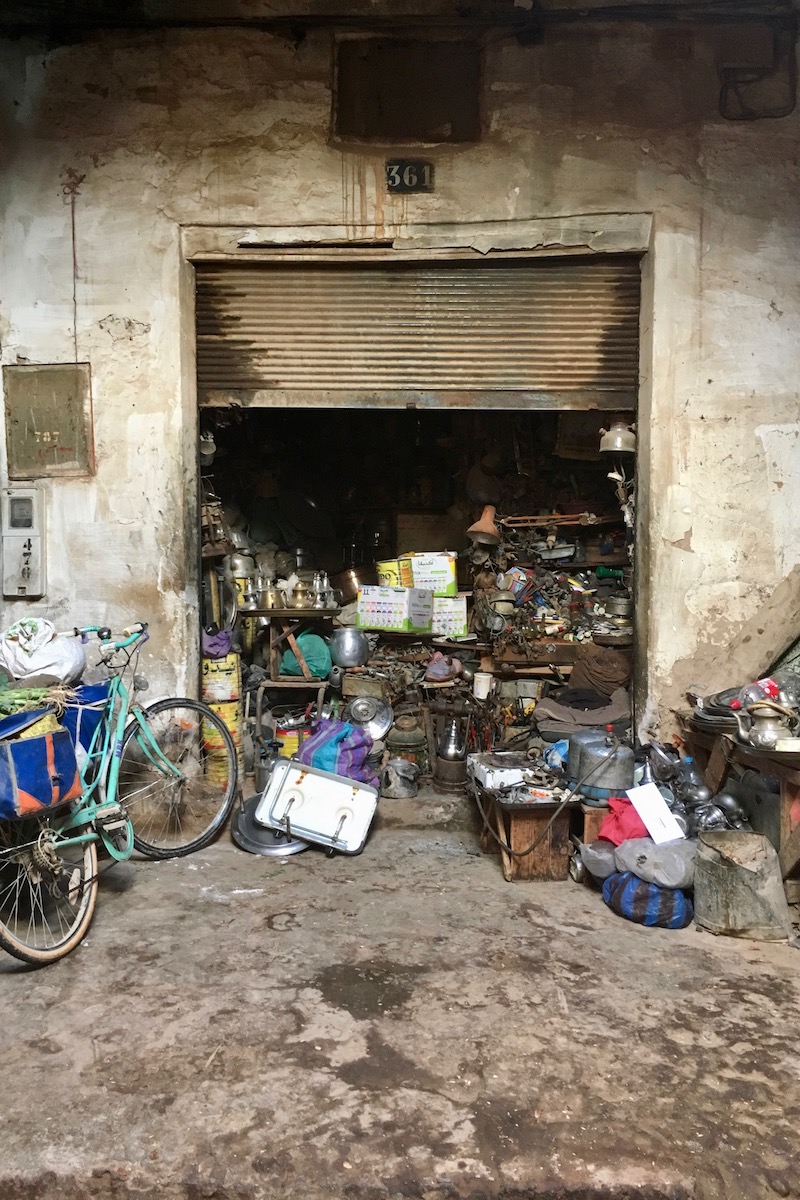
(231, 128)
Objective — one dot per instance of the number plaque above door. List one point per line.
(409, 175)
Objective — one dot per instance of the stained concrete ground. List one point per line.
(399, 1024)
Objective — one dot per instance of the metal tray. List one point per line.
(317, 806)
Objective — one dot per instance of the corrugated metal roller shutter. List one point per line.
(555, 326)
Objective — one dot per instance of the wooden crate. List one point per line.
(592, 820)
(518, 828)
(550, 859)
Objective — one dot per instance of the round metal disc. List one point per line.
(371, 714)
(257, 839)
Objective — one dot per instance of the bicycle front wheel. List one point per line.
(177, 777)
(48, 890)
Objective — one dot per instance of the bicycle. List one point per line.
(161, 780)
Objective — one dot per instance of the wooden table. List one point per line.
(285, 624)
(716, 753)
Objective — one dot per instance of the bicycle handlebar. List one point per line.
(134, 632)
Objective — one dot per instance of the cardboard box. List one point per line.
(450, 616)
(434, 572)
(395, 609)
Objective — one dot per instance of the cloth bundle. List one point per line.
(341, 749)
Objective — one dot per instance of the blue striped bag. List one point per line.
(84, 716)
(339, 748)
(647, 903)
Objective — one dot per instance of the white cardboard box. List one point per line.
(395, 609)
(434, 572)
(450, 616)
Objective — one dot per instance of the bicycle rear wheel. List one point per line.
(179, 805)
(47, 890)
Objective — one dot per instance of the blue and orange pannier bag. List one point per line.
(37, 770)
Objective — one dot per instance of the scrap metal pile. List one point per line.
(532, 586)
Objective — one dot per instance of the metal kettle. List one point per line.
(451, 747)
(764, 722)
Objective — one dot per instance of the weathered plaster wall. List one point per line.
(231, 127)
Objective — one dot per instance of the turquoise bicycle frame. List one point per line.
(100, 774)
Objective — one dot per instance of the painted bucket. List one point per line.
(290, 741)
(222, 678)
(216, 763)
(394, 572)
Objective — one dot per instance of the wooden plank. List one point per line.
(592, 820)
(509, 863)
(488, 843)
(789, 856)
(298, 653)
(719, 763)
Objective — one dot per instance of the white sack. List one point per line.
(32, 653)
(669, 865)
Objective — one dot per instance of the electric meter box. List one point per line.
(22, 520)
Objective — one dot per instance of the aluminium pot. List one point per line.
(619, 606)
(349, 647)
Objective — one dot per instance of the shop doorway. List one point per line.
(355, 411)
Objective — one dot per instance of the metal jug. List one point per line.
(451, 747)
(349, 647)
(764, 722)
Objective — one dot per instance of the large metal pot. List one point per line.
(349, 647)
(619, 606)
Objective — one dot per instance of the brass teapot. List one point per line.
(303, 595)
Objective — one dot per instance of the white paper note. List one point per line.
(652, 808)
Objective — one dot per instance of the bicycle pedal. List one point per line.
(112, 822)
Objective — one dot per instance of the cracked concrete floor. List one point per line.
(399, 1024)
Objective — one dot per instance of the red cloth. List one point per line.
(622, 822)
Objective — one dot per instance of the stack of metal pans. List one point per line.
(714, 713)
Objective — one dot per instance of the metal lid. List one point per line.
(374, 715)
(256, 838)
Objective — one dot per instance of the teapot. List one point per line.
(451, 747)
(302, 596)
(764, 722)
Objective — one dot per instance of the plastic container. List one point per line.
(482, 685)
(222, 678)
(688, 773)
(781, 686)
